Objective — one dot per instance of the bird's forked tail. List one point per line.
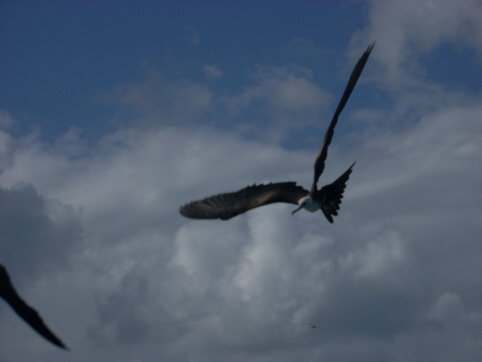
(329, 197)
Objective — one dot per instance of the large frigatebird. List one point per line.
(26, 312)
(328, 198)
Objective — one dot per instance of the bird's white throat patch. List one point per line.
(309, 204)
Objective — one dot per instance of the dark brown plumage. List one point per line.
(321, 158)
(228, 205)
(328, 198)
(27, 313)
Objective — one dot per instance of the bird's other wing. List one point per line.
(27, 313)
(228, 205)
(330, 195)
(321, 158)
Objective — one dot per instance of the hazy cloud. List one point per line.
(382, 273)
(406, 31)
(157, 102)
(212, 71)
(93, 233)
(193, 35)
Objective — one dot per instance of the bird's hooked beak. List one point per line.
(297, 209)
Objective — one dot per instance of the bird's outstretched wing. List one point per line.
(27, 313)
(329, 197)
(321, 158)
(228, 205)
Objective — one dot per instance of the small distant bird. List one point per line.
(314, 326)
(27, 313)
(328, 198)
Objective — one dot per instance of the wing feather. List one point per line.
(330, 196)
(27, 313)
(227, 205)
(323, 153)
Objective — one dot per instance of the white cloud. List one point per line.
(407, 30)
(102, 252)
(286, 97)
(149, 276)
(6, 119)
(6, 150)
(212, 71)
(288, 88)
(157, 101)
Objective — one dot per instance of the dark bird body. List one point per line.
(27, 313)
(313, 326)
(328, 198)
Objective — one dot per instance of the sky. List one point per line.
(113, 114)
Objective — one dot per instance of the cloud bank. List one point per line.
(99, 245)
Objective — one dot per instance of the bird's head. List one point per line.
(306, 203)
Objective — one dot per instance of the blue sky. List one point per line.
(70, 52)
(113, 114)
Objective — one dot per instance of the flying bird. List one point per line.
(313, 326)
(327, 199)
(27, 313)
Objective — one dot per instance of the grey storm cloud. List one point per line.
(36, 235)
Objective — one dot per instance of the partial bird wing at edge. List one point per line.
(321, 158)
(227, 205)
(27, 313)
